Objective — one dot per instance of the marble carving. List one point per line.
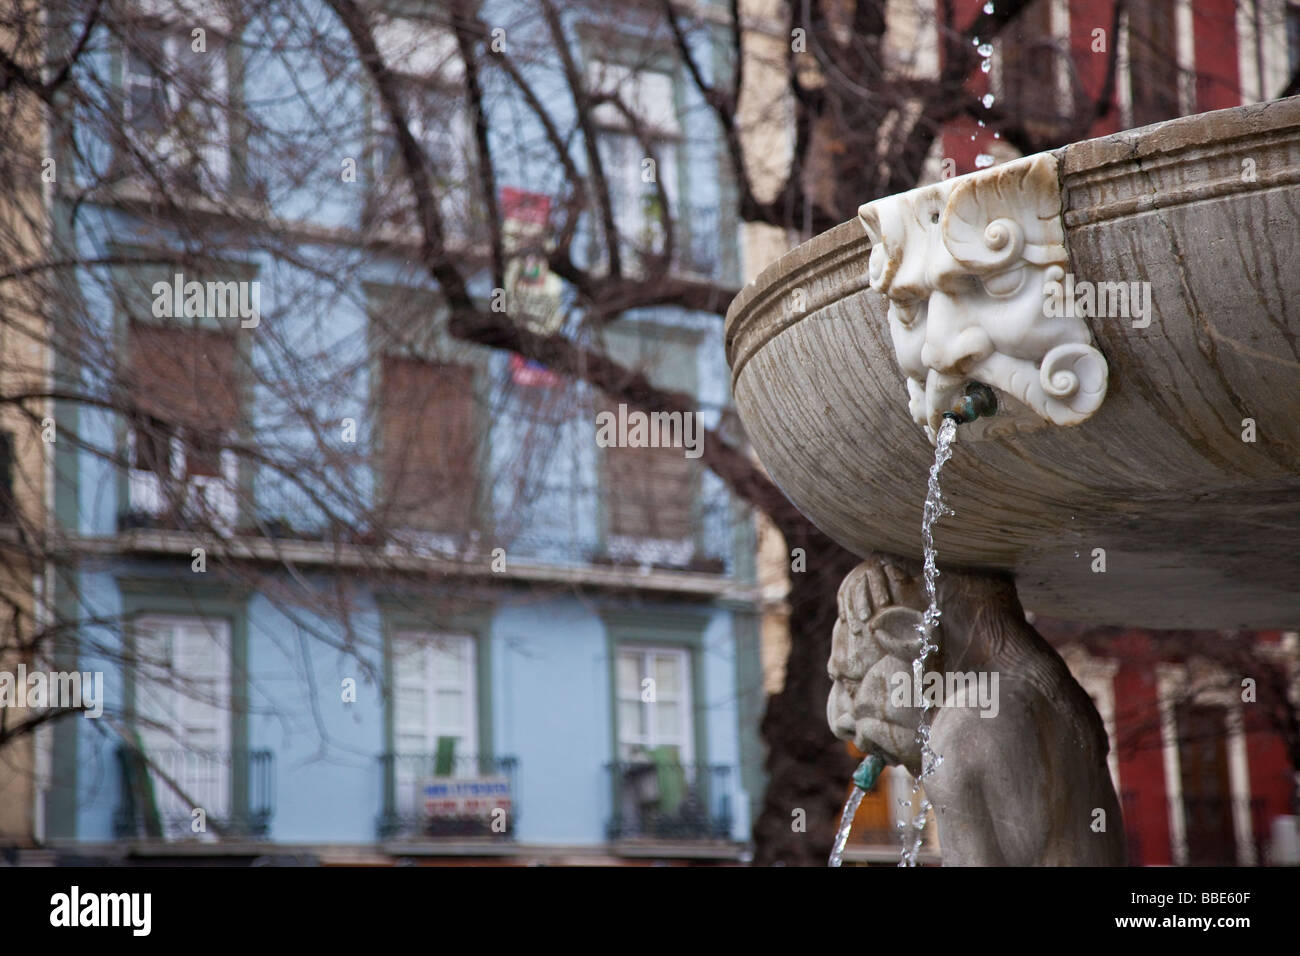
(972, 268)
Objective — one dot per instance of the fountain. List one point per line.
(1116, 322)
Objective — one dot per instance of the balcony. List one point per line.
(440, 796)
(668, 801)
(160, 789)
(179, 484)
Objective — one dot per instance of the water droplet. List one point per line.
(982, 160)
(997, 135)
(987, 100)
(985, 49)
(988, 7)
(975, 42)
(985, 65)
(981, 122)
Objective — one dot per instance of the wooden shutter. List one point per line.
(1153, 59)
(428, 444)
(184, 376)
(1029, 58)
(1207, 791)
(649, 491)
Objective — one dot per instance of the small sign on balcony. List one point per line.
(532, 290)
(474, 797)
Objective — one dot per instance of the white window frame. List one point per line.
(423, 56)
(1205, 684)
(176, 42)
(426, 645)
(166, 690)
(684, 741)
(651, 95)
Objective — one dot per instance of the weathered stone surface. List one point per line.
(1023, 779)
(1197, 527)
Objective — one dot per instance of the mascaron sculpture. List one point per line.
(973, 271)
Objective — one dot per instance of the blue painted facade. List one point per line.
(545, 696)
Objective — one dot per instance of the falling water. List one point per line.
(864, 778)
(846, 823)
(934, 510)
(985, 50)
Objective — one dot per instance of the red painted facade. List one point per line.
(1214, 27)
(1253, 795)
(1092, 40)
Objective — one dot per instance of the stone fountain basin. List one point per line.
(1198, 528)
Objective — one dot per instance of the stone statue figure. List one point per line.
(1023, 779)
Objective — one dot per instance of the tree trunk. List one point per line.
(808, 769)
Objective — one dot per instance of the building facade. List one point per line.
(359, 588)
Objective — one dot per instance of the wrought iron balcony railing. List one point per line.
(161, 790)
(667, 800)
(437, 795)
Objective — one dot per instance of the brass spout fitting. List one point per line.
(977, 402)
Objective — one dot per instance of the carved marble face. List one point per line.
(868, 651)
(967, 265)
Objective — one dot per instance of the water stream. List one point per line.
(934, 510)
(913, 832)
(865, 777)
(846, 823)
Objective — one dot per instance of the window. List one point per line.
(1153, 61)
(632, 173)
(650, 495)
(183, 385)
(182, 707)
(1029, 66)
(1206, 790)
(654, 704)
(428, 445)
(174, 101)
(425, 61)
(638, 210)
(436, 118)
(435, 710)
